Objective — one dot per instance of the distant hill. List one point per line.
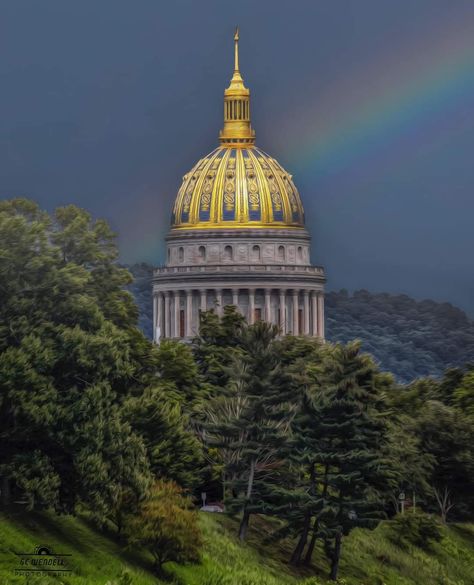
(407, 337)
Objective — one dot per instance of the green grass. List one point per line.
(96, 558)
(369, 558)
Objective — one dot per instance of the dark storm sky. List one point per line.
(368, 103)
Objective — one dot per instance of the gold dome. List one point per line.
(237, 185)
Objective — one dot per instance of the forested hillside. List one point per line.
(307, 448)
(409, 338)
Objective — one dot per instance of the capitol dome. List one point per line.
(237, 187)
(237, 238)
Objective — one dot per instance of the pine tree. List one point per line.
(351, 427)
(173, 449)
(248, 423)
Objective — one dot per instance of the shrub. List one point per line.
(419, 530)
(166, 526)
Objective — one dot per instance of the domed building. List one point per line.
(238, 238)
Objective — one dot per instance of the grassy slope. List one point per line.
(368, 557)
(95, 559)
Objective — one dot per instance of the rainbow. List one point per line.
(401, 92)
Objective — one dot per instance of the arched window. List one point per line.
(169, 254)
(300, 253)
(181, 254)
(202, 253)
(228, 253)
(281, 253)
(256, 253)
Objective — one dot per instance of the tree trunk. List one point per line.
(244, 524)
(336, 557)
(296, 556)
(299, 548)
(314, 536)
(312, 543)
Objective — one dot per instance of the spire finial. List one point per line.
(237, 130)
(236, 49)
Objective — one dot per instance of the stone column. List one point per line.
(159, 318)
(203, 303)
(251, 306)
(219, 301)
(177, 303)
(295, 312)
(155, 316)
(306, 311)
(235, 297)
(189, 313)
(314, 312)
(167, 320)
(320, 315)
(282, 322)
(268, 307)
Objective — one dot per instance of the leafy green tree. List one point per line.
(447, 435)
(69, 352)
(436, 416)
(177, 368)
(463, 395)
(173, 449)
(217, 345)
(166, 526)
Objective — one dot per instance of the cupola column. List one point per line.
(203, 300)
(189, 312)
(320, 315)
(155, 317)
(296, 312)
(219, 302)
(235, 297)
(251, 306)
(177, 309)
(306, 312)
(282, 321)
(167, 319)
(314, 313)
(268, 308)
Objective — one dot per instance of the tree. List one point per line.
(166, 526)
(447, 435)
(69, 352)
(348, 423)
(217, 345)
(250, 428)
(173, 449)
(177, 368)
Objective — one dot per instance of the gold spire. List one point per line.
(237, 130)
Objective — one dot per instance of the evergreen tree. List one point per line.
(217, 345)
(173, 449)
(252, 429)
(343, 428)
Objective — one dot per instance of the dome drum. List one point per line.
(239, 248)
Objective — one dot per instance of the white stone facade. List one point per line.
(266, 274)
